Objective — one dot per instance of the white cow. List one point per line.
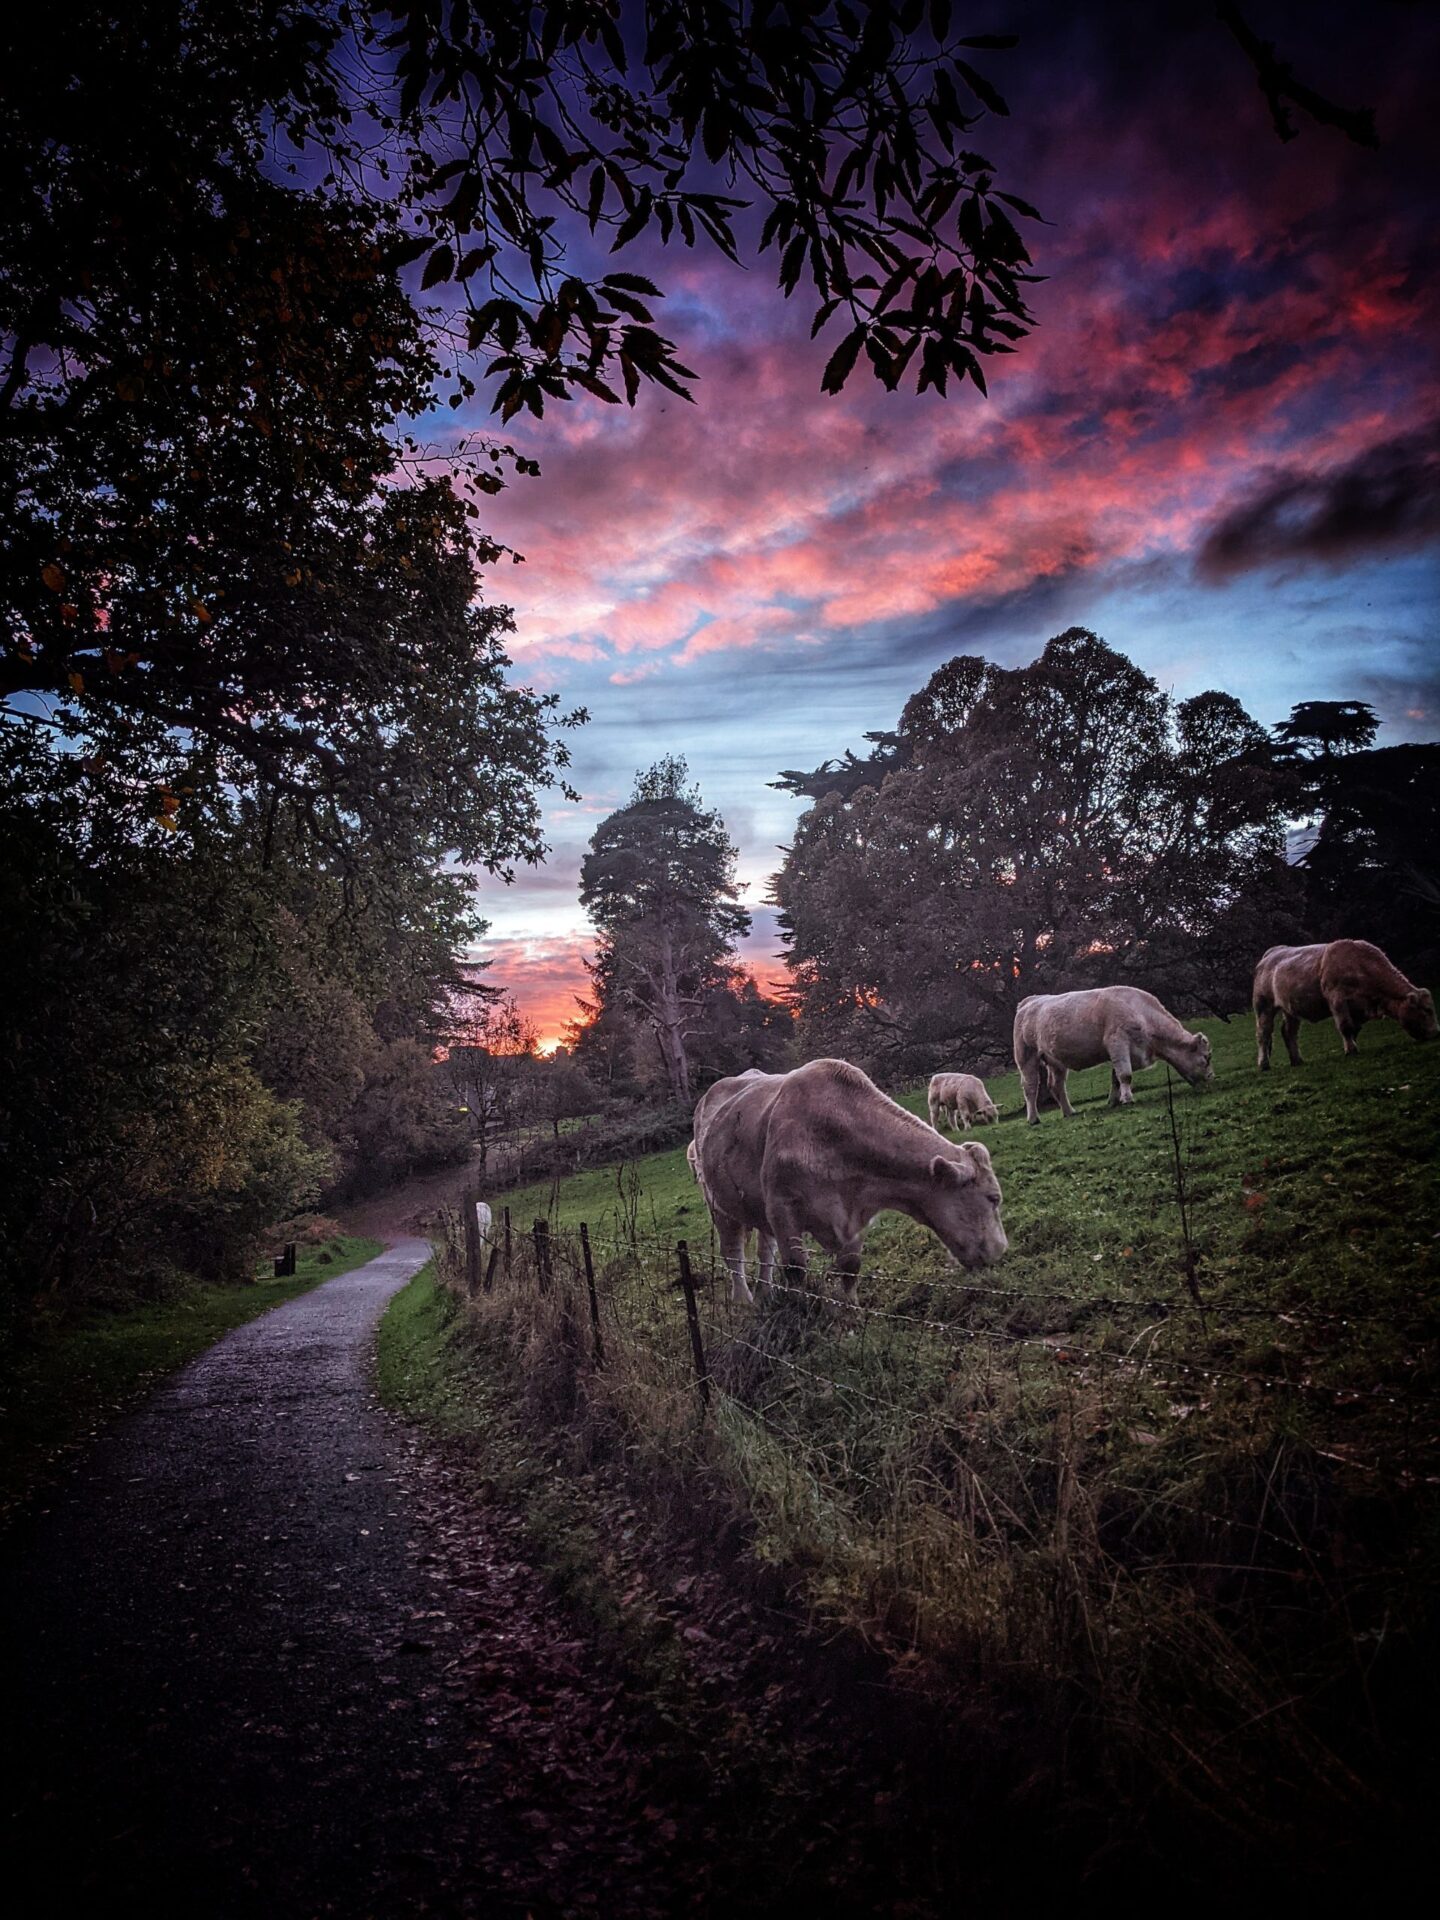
(821, 1151)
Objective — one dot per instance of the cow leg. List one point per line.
(731, 1236)
(788, 1239)
(1348, 1022)
(1122, 1094)
(847, 1267)
(1058, 1077)
(937, 1115)
(765, 1260)
(1264, 1036)
(1290, 1034)
(1030, 1071)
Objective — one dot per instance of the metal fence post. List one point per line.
(598, 1339)
(692, 1315)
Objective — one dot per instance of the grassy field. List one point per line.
(1317, 1184)
(63, 1383)
(1165, 1524)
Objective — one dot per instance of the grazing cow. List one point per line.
(821, 1151)
(1059, 1033)
(961, 1097)
(1347, 981)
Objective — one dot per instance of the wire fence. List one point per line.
(645, 1293)
(1146, 1499)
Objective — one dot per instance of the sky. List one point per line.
(1220, 450)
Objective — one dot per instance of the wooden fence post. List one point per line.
(507, 1243)
(471, 1224)
(542, 1254)
(598, 1339)
(285, 1262)
(692, 1315)
(489, 1280)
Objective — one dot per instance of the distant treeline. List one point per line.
(1067, 823)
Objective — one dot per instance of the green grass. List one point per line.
(1058, 1471)
(62, 1383)
(1317, 1184)
(420, 1369)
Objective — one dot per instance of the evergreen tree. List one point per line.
(659, 884)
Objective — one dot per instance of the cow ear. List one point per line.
(956, 1172)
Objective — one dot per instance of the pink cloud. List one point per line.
(545, 977)
(770, 515)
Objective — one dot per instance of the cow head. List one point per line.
(1417, 1015)
(961, 1204)
(1194, 1064)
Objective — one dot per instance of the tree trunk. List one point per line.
(668, 1017)
(670, 1035)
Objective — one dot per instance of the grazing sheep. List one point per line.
(1347, 981)
(821, 1151)
(962, 1098)
(1059, 1033)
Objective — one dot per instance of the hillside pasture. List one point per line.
(1160, 1522)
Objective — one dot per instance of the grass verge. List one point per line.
(64, 1382)
(802, 1781)
(434, 1369)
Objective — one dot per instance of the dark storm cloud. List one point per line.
(1386, 497)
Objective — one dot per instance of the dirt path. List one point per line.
(259, 1661)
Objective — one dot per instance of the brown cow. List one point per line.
(1347, 981)
(1057, 1033)
(962, 1098)
(821, 1151)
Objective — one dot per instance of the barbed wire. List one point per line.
(663, 1248)
(1057, 1344)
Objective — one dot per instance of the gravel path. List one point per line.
(229, 1663)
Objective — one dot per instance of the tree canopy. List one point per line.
(1322, 729)
(252, 709)
(1024, 829)
(659, 884)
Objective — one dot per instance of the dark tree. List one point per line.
(248, 700)
(1323, 729)
(207, 575)
(1028, 830)
(659, 884)
(489, 1050)
(1372, 871)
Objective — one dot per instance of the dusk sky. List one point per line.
(1220, 449)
